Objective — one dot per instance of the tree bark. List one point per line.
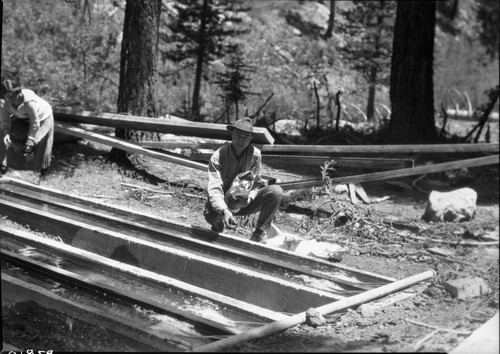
(412, 91)
(1, 33)
(139, 67)
(331, 21)
(370, 106)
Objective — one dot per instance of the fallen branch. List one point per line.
(419, 344)
(457, 243)
(261, 107)
(144, 188)
(463, 333)
(445, 119)
(93, 196)
(193, 196)
(454, 260)
(414, 184)
(64, 163)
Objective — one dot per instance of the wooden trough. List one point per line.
(239, 269)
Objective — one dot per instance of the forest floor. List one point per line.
(387, 238)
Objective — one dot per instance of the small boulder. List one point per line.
(314, 318)
(466, 287)
(455, 206)
(310, 18)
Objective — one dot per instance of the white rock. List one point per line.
(455, 206)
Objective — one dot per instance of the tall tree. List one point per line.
(201, 30)
(331, 21)
(200, 58)
(138, 67)
(1, 33)
(234, 83)
(412, 91)
(368, 30)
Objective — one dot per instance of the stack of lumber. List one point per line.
(284, 154)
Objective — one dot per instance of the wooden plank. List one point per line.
(314, 267)
(344, 162)
(377, 176)
(127, 146)
(172, 125)
(110, 290)
(132, 147)
(143, 274)
(378, 149)
(14, 289)
(360, 191)
(201, 270)
(170, 145)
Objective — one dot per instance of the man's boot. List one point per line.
(259, 236)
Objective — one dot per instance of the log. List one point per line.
(341, 162)
(126, 145)
(174, 125)
(179, 145)
(404, 172)
(331, 150)
(339, 305)
(463, 114)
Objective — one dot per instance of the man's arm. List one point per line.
(215, 184)
(216, 192)
(34, 124)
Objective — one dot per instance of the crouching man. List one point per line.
(235, 186)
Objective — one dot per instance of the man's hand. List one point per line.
(229, 220)
(7, 141)
(239, 198)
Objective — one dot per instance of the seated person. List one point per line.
(27, 129)
(235, 186)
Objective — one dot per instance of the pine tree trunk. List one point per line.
(331, 21)
(139, 67)
(370, 106)
(195, 111)
(412, 91)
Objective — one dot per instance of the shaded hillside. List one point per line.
(70, 54)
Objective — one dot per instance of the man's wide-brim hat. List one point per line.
(244, 124)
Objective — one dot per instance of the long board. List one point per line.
(332, 150)
(404, 172)
(172, 125)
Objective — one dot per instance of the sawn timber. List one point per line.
(251, 282)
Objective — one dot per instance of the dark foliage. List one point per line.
(488, 17)
(234, 82)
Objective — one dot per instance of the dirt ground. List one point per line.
(386, 237)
